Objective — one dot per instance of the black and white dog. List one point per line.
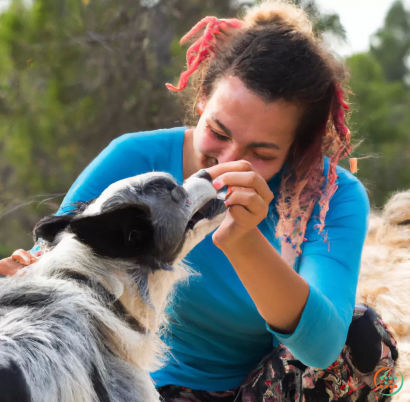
(81, 324)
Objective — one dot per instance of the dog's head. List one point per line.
(149, 219)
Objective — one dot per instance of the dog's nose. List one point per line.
(203, 174)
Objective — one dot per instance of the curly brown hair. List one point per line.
(275, 53)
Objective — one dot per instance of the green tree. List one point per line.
(391, 43)
(380, 121)
(381, 103)
(74, 75)
(329, 23)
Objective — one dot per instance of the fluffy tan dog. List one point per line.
(384, 282)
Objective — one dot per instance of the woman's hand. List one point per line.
(19, 259)
(247, 199)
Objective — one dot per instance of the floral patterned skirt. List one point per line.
(360, 373)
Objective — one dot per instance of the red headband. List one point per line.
(203, 46)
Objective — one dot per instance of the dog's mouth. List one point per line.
(206, 203)
(208, 211)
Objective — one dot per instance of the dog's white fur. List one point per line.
(56, 347)
(384, 281)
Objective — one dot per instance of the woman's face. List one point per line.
(238, 124)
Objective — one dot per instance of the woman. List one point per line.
(281, 271)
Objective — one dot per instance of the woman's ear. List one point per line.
(200, 107)
(50, 226)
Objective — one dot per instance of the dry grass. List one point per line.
(384, 282)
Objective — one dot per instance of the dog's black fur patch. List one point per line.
(50, 226)
(98, 385)
(112, 303)
(14, 387)
(122, 233)
(30, 298)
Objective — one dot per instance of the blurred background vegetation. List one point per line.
(75, 74)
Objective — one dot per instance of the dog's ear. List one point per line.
(123, 233)
(49, 227)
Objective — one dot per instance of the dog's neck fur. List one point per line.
(70, 260)
(71, 256)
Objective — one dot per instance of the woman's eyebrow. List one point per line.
(223, 127)
(269, 145)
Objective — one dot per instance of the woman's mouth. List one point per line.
(209, 161)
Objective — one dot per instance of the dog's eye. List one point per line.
(159, 184)
(135, 238)
(178, 194)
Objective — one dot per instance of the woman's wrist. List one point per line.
(239, 243)
(269, 280)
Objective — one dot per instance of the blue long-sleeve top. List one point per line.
(216, 333)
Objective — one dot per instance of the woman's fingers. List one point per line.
(235, 166)
(23, 257)
(9, 267)
(240, 173)
(248, 179)
(247, 198)
(19, 259)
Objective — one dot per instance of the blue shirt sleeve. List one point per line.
(119, 160)
(331, 268)
(124, 157)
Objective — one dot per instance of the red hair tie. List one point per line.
(203, 46)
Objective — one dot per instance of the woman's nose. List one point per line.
(230, 154)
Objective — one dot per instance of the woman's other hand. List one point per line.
(247, 199)
(19, 259)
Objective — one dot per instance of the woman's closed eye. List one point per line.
(264, 157)
(225, 138)
(218, 136)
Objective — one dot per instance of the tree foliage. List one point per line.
(381, 100)
(391, 43)
(74, 75)
(329, 23)
(380, 122)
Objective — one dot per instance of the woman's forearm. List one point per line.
(279, 293)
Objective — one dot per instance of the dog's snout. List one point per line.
(203, 174)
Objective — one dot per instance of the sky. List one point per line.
(361, 18)
(3, 3)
